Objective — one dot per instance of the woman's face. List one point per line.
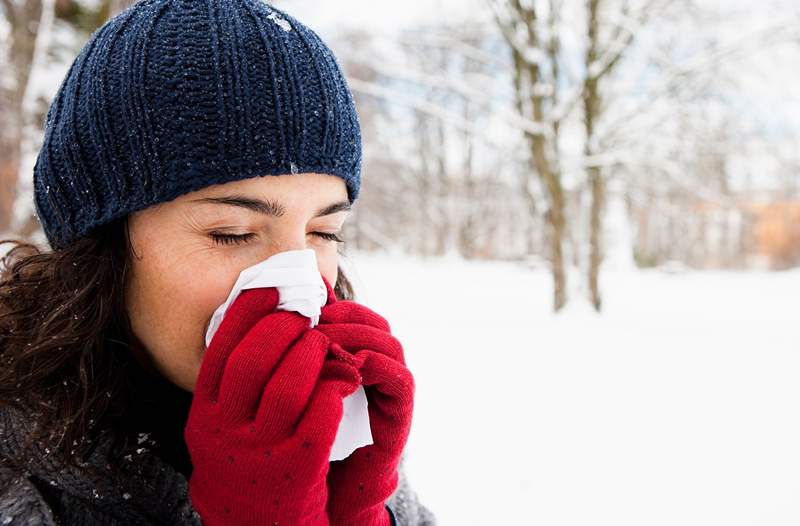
(187, 254)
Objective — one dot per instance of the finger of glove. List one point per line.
(359, 485)
(245, 311)
(320, 421)
(253, 361)
(390, 394)
(347, 311)
(336, 352)
(355, 336)
(289, 389)
(390, 383)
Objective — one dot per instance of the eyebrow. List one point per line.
(267, 207)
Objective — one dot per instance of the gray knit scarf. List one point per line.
(151, 492)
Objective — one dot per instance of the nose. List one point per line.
(286, 241)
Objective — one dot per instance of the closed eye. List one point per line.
(231, 239)
(328, 236)
(238, 239)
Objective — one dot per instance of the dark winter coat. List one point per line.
(154, 488)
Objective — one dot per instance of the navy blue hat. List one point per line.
(170, 96)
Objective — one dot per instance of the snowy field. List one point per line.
(680, 405)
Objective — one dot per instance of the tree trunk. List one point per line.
(597, 186)
(591, 107)
(526, 75)
(24, 20)
(558, 226)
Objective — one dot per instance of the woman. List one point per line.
(192, 139)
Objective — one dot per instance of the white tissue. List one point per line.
(301, 289)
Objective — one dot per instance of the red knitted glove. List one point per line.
(360, 484)
(264, 416)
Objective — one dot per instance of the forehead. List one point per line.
(271, 196)
(306, 193)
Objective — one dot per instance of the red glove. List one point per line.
(359, 485)
(264, 416)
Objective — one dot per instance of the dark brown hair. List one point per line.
(61, 312)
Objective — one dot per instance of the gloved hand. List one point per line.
(264, 415)
(359, 485)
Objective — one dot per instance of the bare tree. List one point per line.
(536, 76)
(28, 51)
(29, 22)
(601, 58)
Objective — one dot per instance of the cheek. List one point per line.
(170, 307)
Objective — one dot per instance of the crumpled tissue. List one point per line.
(301, 289)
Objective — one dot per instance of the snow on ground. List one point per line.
(679, 405)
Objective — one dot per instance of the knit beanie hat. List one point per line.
(170, 96)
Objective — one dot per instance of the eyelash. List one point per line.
(234, 239)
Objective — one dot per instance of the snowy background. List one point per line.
(678, 405)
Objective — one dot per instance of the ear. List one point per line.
(331, 294)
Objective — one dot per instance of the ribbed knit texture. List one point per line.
(171, 96)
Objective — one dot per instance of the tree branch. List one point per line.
(621, 42)
(11, 11)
